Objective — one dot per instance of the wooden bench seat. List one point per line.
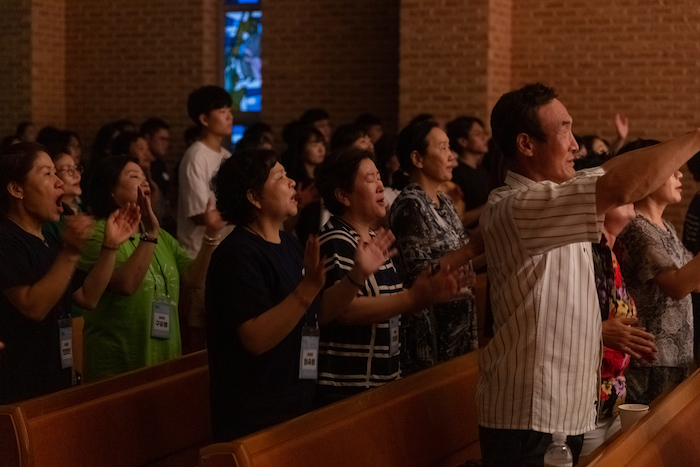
(426, 419)
(158, 415)
(667, 435)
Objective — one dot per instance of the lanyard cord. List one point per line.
(162, 273)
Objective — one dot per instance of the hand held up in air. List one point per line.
(149, 221)
(314, 273)
(370, 256)
(121, 225)
(438, 287)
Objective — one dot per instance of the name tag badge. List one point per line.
(308, 358)
(65, 340)
(394, 336)
(161, 319)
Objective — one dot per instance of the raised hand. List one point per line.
(429, 288)
(77, 231)
(306, 195)
(622, 335)
(315, 274)
(148, 217)
(622, 126)
(212, 219)
(369, 257)
(121, 225)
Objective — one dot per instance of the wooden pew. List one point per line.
(154, 416)
(667, 435)
(426, 419)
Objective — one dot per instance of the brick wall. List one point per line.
(341, 56)
(641, 58)
(444, 57)
(48, 33)
(15, 64)
(133, 59)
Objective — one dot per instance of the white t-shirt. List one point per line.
(198, 166)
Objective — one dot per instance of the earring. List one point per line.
(21, 197)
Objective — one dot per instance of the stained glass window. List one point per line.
(242, 76)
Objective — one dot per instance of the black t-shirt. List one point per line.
(30, 365)
(247, 276)
(474, 184)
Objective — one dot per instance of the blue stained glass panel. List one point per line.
(242, 76)
(241, 2)
(237, 133)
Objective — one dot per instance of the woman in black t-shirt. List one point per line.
(37, 281)
(259, 300)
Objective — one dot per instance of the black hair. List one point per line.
(54, 140)
(151, 126)
(205, 99)
(588, 140)
(592, 159)
(637, 144)
(191, 134)
(516, 112)
(16, 162)
(424, 117)
(312, 116)
(104, 179)
(245, 170)
(121, 146)
(295, 154)
(255, 136)
(367, 120)
(257, 128)
(460, 128)
(346, 135)
(413, 138)
(21, 128)
(102, 143)
(384, 149)
(694, 166)
(338, 171)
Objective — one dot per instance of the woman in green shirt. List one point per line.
(136, 322)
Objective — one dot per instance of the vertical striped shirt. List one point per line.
(540, 371)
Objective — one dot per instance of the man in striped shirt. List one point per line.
(539, 374)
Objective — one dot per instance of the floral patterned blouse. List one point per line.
(615, 303)
(425, 232)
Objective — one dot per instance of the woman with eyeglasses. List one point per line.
(38, 277)
(70, 174)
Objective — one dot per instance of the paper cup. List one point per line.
(630, 413)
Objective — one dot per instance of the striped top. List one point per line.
(355, 356)
(540, 371)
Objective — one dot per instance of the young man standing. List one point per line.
(209, 107)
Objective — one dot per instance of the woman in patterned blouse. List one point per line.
(661, 273)
(429, 233)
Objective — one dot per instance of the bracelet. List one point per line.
(354, 282)
(110, 248)
(300, 298)
(211, 241)
(146, 238)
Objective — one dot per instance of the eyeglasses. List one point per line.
(73, 171)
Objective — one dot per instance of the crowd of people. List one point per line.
(349, 260)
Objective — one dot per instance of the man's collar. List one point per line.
(515, 180)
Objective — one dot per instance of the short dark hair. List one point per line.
(16, 162)
(424, 117)
(346, 135)
(338, 171)
(54, 140)
(121, 145)
(516, 112)
(590, 160)
(312, 116)
(245, 170)
(413, 138)
(694, 166)
(205, 99)
(367, 120)
(460, 128)
(638, 143)
(103, 180)
(22, 127)
(151, 126)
